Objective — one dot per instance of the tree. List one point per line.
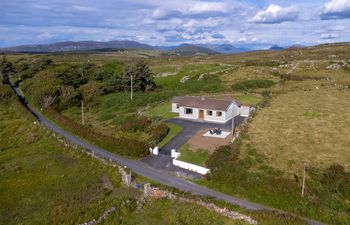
(72, 77)
(6, 70)
(68, 97)
(90, 90)
(142, 77)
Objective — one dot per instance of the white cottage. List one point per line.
(205, 109)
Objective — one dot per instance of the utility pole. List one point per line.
(82, 113)
(131, 94)
(233, 123)
(303, 187)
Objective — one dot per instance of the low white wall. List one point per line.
(190, 166)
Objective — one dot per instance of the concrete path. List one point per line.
(145, 170)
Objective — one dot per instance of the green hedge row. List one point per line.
(121, 145)
(248, 85)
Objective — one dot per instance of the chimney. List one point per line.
(203, 98)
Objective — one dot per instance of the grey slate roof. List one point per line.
(202, 102)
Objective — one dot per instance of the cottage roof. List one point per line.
(202, 102)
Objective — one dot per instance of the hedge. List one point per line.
(121, 145)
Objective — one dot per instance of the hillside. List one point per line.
(225, 48)
(70, 46)
(292, 123)
(187, 49)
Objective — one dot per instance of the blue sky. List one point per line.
(249, 23)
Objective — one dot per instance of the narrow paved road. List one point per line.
(145, 170)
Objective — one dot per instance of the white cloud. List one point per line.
(242, 40)
(164, 14)
(336, 9)
(209, 8)
(329, 36)
(46, 35)
(248, 40)
(83, 8)
(275, 14)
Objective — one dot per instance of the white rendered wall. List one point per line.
(214, 118)
(174, 108)
(244, 111)
(190, 166)
(194, 115)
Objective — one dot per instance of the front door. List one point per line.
(201, 114)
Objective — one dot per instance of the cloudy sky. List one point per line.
(249, 23)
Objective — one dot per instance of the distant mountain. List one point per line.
(276, 47)
(79, 46)
(296, 46)
(187, 49)
(225, 48)
(167, 48)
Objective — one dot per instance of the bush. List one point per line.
(120, 145)
(90, 90)
(337, 179)
(68, 97)
(252, 84)
(159, 132)
(136, 124)
(6, 94)
(228, 154)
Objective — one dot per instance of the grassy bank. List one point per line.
(173, 131)
(198, 157)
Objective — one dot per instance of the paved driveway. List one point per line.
(190, 128)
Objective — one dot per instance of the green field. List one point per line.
(301, 117)
(45, 182)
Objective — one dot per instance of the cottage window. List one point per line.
(188, 111)
(177, 106)
(209, 113)
(218, 114)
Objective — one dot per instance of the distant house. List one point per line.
(206, 109)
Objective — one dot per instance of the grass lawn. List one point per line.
(162, 110)
(173, 131)
(198, 157)
(248, 99)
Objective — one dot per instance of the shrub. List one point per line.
(68, 97)
(6, 94)
(337, 179)
(228, 154)
(252, 84)
(136, 124)
(159, 132)
(90, 90)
